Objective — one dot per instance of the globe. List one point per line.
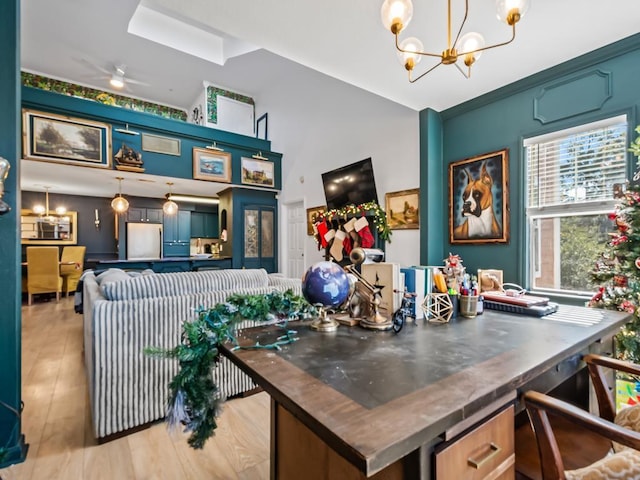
(325, 283)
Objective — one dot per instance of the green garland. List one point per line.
(194, 399)
(379, 216)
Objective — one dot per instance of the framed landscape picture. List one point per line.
(403, 209)
(57, 138)
(211, 165)
(479, 199)
(257, 172)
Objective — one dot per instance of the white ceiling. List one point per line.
(77, 39)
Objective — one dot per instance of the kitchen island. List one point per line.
(163, 265)
(358, 404)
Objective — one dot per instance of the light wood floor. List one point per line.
(57, 424)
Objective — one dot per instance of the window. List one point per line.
(571, 176)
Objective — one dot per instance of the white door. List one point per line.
(296, 231)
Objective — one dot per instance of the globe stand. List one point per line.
(323, 323)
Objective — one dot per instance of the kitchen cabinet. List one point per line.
(139, 214)
(204, 225)
(177, 234)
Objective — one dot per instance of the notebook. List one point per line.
(521, 301)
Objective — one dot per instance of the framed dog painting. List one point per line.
(479, 199)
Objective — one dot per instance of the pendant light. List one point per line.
(170, 207)
(119, 203)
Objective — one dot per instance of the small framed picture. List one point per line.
(211, 165)
(403, 209)
(74, 141)
(312, 216)
(490, 280)
(257, 172)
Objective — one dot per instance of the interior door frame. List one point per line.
(283, 245)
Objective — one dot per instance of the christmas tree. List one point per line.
(617, 271)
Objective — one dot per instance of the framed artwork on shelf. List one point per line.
(403, 209)
(211, 165)
(257, 172)
(312, 215)
(479, 199)
(56, 138)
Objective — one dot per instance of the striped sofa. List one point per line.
(123, 314)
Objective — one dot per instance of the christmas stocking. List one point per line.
(366, 238)
(336, 248)
(347, 245)
(322, 228)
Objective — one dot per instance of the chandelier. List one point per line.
(43, 210)
(396, 15)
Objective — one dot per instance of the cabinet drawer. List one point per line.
(486, 452)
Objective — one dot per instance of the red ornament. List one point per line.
(637, 262)
(620, 280)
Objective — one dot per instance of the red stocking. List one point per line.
(322, 230)
(366, 238)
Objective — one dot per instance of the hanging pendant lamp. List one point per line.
(170, 207)
(119, 203)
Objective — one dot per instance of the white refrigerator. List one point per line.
(144, 241)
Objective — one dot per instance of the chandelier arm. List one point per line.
(464, 20)
(426, 54)
(513, 37)
(423, 74)
(462, 71)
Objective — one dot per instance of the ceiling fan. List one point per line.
(117, 76)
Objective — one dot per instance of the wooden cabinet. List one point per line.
(487, 451)
(138, 214)
(177, 234)
(204, 225)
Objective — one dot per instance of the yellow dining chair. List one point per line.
(71, 273)
(43, 272)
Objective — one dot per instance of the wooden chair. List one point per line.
(622, 430)
(43, 272)
(71, 273)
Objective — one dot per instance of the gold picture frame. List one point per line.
(312, 214)
(57, 138)
(403, 209)
(479, 199)
(257, 172)
(211, 165)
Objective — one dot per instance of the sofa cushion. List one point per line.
(185, 283)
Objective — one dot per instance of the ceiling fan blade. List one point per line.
(136, 82)
(89, 64)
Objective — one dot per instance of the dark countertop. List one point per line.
(167, 259)
(376, 396)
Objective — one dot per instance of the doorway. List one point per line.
(296, 229)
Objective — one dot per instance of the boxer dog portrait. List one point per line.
(476, 215)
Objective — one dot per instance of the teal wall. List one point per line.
(190, 135)
(11, 437)
(598, 85)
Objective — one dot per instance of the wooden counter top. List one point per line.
(374, 397)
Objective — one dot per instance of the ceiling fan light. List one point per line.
(396, 14)
(511, 11)
(468, 44)
(117, 81)
(409, 58)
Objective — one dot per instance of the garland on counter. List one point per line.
(379, 216)
(194, 398)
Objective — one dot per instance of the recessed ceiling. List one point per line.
(342, 39)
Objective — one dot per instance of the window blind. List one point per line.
(577, 166)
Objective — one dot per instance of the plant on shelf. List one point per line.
(194, 398)
(617, 270)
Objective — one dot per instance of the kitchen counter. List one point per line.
(162, 265)
(376, 402)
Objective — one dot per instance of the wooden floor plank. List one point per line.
(57, 424)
